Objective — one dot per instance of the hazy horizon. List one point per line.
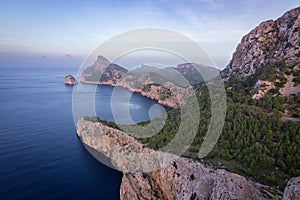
(57, 34)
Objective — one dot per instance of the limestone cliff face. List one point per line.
(292, 190)
(186, 179)
(270, 42)
(182, 178)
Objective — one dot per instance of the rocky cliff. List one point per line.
(271, 42)
(181, 178)
(292, 190)
(185, 179)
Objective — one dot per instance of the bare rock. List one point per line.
(292, 190)
(70, 80)
(270, 42)
(290, 87)
(262, 88)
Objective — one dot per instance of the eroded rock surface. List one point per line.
(70, 80)
(292, 190)
(270, 42)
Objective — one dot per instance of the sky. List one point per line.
(54, 33)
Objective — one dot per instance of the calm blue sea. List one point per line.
(40, 155)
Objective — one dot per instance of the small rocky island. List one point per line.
(70, 80)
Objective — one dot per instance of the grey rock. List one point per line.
(270, 42)
(292, 190)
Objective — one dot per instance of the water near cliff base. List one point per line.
(40, 155)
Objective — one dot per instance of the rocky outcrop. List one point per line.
(270, 42)
(181, 178)
(70, 80)
(262, 88)
(290, 87)
(186, 179)
(292, 190)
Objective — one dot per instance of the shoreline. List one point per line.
(164, 103)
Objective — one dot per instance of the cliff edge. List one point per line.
(182, 178)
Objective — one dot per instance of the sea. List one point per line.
(40, 155)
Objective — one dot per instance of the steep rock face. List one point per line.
(270, 42)
(292, 190)
(185, 179)
(70, 80)
(111, 142)
(182, 178)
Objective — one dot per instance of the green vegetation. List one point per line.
(92, 74)
(97, 119)
(273, 73)
(297, 80)
(255, 141)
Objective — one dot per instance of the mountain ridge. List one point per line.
(270, 42)
(170, 86)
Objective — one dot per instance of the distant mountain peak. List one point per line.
(103, 71)
(102, 60)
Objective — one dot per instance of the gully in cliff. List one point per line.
(70, 80)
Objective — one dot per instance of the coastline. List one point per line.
(166, 103)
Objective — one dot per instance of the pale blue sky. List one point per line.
(53, 29)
